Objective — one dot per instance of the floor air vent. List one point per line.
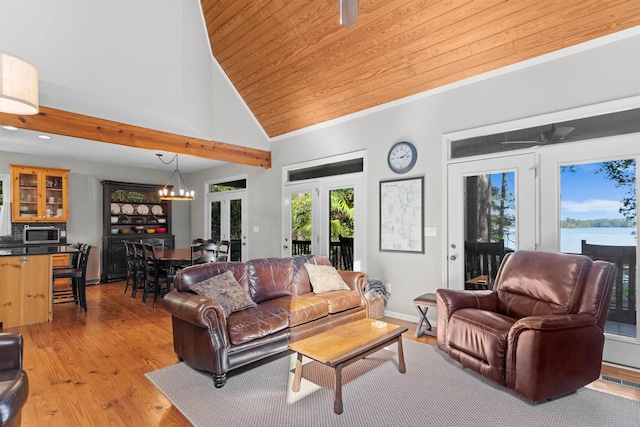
(615, 380)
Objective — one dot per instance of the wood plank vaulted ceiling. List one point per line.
(295, 66)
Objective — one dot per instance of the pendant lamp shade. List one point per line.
(18, 85)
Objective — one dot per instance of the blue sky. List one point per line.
(589, 195)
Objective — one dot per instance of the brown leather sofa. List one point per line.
(287, 310)
(14, 384)
(539, 331)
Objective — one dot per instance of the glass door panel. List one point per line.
(341, 226)
(236, 237)
(301, 223)
(489, 227)
(216, 221)
(491, 211)
(28, 194)
(598, 218)
(54, 196)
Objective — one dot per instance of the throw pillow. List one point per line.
(225, 289)
(325, 278)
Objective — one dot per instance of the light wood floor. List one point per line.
(88, 369)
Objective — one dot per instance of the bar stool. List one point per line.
(78, 275)
(422, 303)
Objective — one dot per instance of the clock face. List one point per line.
(402, 157)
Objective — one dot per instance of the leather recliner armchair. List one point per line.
(540, 331)
(14, 384)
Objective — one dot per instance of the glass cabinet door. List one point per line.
(27, 195)
(55, 200)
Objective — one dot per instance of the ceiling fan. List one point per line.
(555, 134)
(348, 12)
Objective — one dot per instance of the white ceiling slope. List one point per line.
(140, 62)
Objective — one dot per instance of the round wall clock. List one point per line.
(402, 157)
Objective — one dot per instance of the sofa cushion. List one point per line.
(226, 290)
(338, 301)
(533, 283)
(300, 275)
(270, 278)
(256, 322)
(325, 278)
(301, 308)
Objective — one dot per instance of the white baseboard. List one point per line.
(401, 316)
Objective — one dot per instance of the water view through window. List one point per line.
(598, 218)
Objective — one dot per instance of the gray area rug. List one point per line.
(435, 391)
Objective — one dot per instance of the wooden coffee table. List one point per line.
(343, 346)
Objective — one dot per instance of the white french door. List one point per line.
(472, 188)
(227, 213)
(581, 186)
(310, 225)
(591, 181)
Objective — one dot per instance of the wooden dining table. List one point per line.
(173, 259)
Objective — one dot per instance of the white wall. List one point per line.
(599, 74)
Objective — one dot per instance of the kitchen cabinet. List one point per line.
(39, 194)
(25, 290)
(131, 212)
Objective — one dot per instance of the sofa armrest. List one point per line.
(450, 300)
(196, 309)
(10, 351)
(553, 322)
(356, 280)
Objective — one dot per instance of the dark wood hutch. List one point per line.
(132, 212)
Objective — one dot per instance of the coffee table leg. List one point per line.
(401, 366)
(297, 375)
(337, 403)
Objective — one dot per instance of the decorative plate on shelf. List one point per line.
(156, 210)
(115, 209)
(127, 209)
(143, 209)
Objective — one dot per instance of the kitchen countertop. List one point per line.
(22, 250)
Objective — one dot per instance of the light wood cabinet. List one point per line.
(25, 290)
(39, 194)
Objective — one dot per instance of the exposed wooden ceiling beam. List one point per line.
(75, 125)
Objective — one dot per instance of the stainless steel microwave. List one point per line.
(41, 235)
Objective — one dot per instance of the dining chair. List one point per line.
(132, 271)
(156, 277)
(207, 252)
(223, 251)
(78, 275)
(139, 261)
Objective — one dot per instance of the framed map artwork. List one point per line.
(402, 215)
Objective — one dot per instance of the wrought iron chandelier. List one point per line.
(168, 192)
